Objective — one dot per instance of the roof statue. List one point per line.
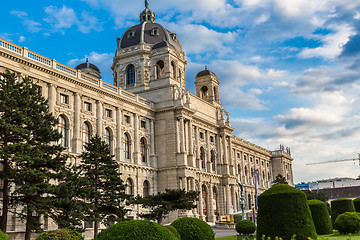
(146, 3)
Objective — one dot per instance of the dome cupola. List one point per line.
(89, 68)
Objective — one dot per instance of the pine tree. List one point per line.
(103, 188)
(161, 204)
(32, 163)
(279, 179)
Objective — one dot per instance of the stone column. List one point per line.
(212, 217)
(226, 159)
(197, 153)
(228, 199)
(207, 158)
(118, 134)
(231, 158)
(99, 114)
(182, 135)
(233, 197)
(201, 213)
(218, 158)
(51, 97)
(77, 141)
(177, 136)
(136, 157)
(153, 158)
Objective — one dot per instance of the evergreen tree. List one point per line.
(279, 179)
(67, 200)
(162, 204)
(32, 163)
(103, 188)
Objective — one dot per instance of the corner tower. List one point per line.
(148, 57)
(207, 87)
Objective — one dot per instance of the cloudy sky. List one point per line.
(289, 70)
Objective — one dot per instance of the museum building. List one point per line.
(161, 135)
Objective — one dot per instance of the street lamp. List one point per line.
(242, 199)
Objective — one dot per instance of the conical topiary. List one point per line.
(283, 212)
(321, 217)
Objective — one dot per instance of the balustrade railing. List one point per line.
(24, 52)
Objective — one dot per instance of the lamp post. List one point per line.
(242, 199)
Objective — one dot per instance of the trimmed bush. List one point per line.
(356, 202)
(340, 206)
(348, 222)
(245, 227)
(3, 236)
(193, 229)
(321, 217)
(60, 234)
(174, 231)
(136, 229)
(283, 212)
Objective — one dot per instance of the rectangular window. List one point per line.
(212, 139)
(127, 118)
(108, 113)
(89, 224)
(143, 124)
(64, 99)
(87, 106)
(201, 135)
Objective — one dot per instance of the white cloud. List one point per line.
(65, 18)
(22, 39)
(207, 40)
(332, 43)
(102, 60)
(29, 24)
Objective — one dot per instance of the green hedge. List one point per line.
(193, 229)
(174, 231)
(60, 234)
(136, 229)
(357, 204)
(340, 206)
(283, 212)
(348, 222)
(245, 227)
(321, 217)
(3, 236)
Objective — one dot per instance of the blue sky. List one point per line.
(289, 70)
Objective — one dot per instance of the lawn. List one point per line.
(334, 236)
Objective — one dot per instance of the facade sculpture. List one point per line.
(158, 138)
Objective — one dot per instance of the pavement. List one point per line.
(224, 232)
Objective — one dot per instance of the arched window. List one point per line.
(203, 92)
(86, 133)
(107, 137)
(173, 70)
(129, 186)
(249, 201)
(159, 69)
(143, 150)
(62, 126)
(215, 94)
(126, 142)
(202, 157)
(130, 74)
(146, 188)
(212, 159)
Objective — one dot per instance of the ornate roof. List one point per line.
(149, 32)
(205, 73)
(87, 65)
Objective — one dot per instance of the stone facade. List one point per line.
(162, 135)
